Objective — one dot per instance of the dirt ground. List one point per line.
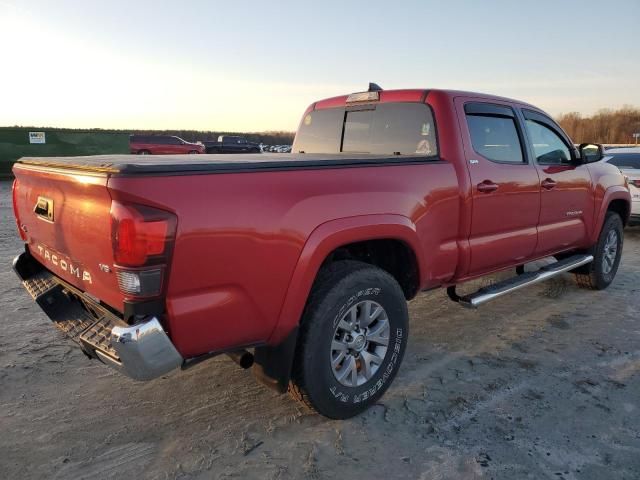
(544, 384)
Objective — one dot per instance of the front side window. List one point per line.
(549, 148)
(495, 138)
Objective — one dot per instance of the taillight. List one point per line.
(14, 194)
(142, 239)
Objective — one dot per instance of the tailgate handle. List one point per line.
(44, 208)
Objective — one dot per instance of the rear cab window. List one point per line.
(405, 129)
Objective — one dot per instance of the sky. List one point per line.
(256, 65)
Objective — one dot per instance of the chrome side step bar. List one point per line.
(509, 285)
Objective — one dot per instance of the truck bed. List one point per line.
(218, 163)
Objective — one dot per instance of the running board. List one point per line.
(509, 285)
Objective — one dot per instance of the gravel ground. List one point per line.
(543, 384)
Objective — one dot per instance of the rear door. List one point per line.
(566, 192)
(506, 187)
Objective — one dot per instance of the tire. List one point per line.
(144, 152)
(343, 288)
(607, 252)
(193, 152)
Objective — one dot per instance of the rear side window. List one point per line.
(495, 138)
(383, 129)
(626, 160)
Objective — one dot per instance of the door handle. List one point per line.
(487, 186)
(548, 184)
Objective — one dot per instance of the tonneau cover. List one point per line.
(225, 163)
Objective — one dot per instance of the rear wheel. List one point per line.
(193, 152)
(144, 152)
(352, 339)
(600, 273)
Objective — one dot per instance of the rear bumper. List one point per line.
(142, 351)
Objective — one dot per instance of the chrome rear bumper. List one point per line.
(145, 350)
(142, 351)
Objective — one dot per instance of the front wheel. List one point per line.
(352, 339)
(599, 274)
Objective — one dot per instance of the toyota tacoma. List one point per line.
(300, 266)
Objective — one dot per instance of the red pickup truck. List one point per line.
(162, 145)
(301, 264)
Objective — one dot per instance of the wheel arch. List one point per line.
(622, 208)
(616, 199)
(360, 238)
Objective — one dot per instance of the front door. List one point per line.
(566, 193)
(505, 183)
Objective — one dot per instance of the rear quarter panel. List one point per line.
(240, 237)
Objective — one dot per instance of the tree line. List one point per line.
(605, 126)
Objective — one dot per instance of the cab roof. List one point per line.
(414, 95)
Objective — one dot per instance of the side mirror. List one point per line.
(590, 152)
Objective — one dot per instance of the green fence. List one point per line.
(30, 142)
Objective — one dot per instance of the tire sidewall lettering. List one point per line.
(372, 291)
(384, 374)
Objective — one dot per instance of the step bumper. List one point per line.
(142, 351)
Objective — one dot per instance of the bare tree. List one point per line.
(605, 126)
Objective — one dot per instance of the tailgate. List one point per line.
(65, 216)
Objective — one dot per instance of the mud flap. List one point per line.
(272, 365)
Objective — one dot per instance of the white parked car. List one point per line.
(628, 161)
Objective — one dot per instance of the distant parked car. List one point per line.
(628, 161)
(232, 144)
(279, 148)
(162, 145)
